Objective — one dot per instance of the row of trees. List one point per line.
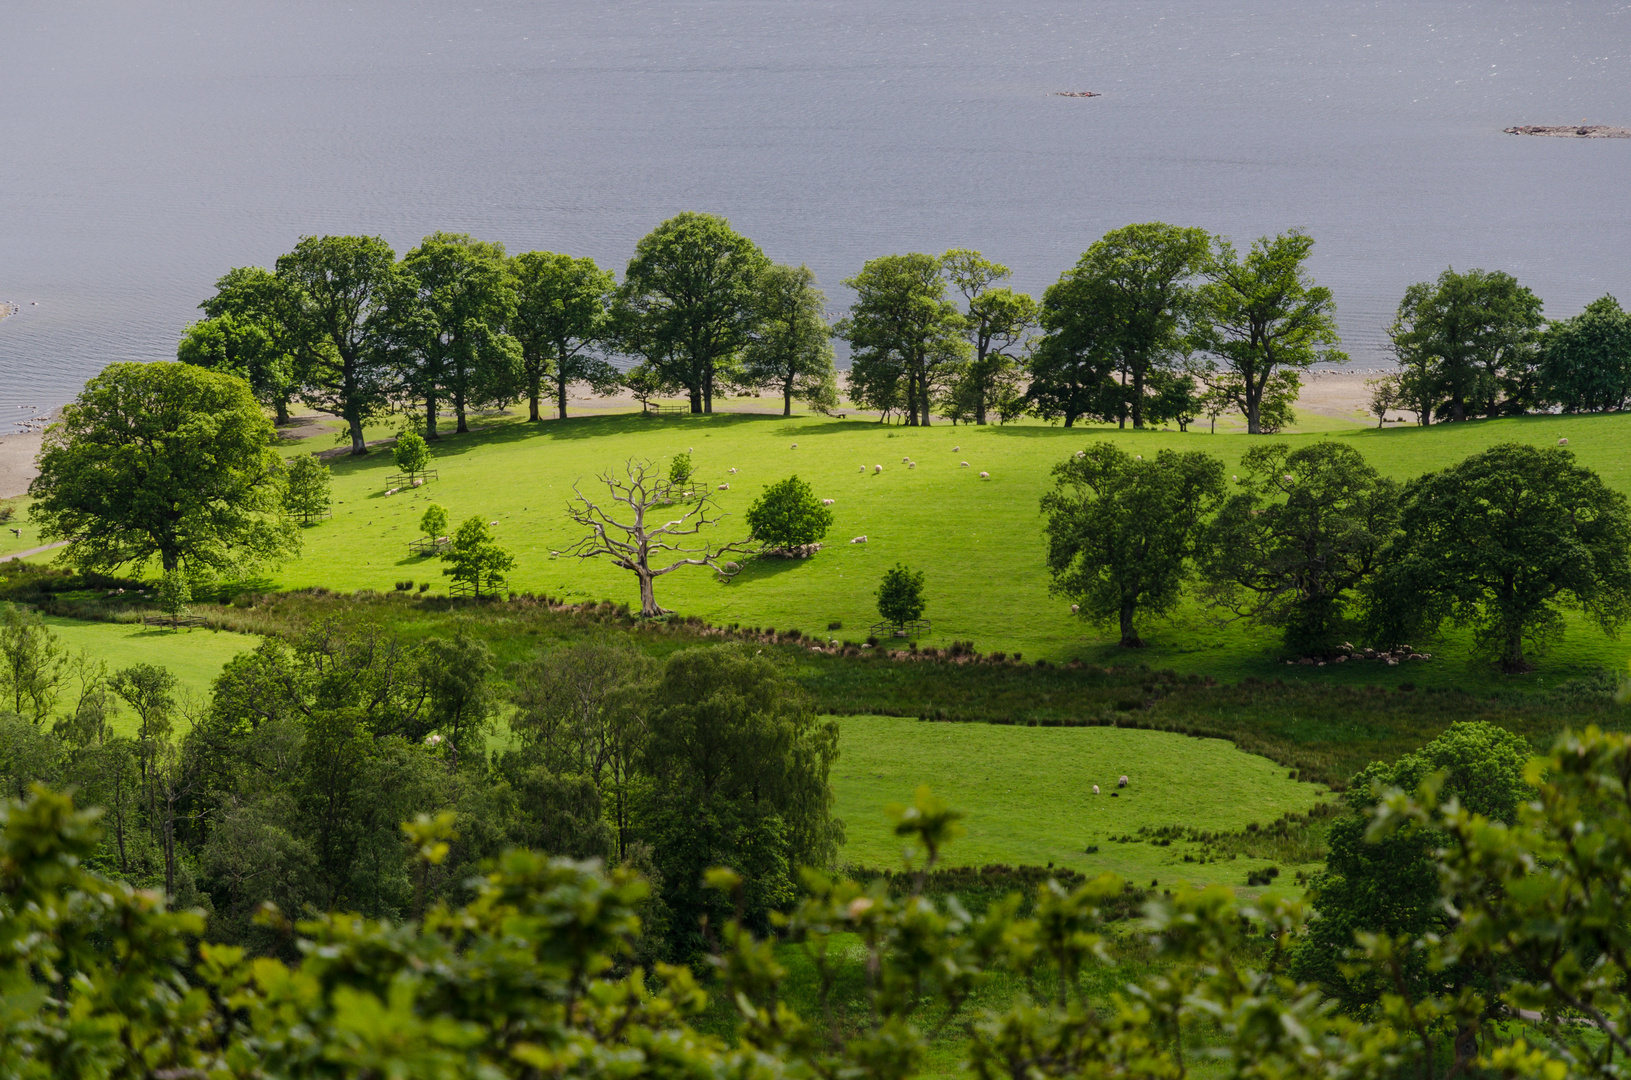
(346, 327)
(289, 784)
(1475, 344)
(1316, 543)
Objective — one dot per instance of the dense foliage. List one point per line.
(532, 975)
(788, 515)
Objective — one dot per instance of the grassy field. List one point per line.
(194, 656)
(1027, 793)
(978, 540)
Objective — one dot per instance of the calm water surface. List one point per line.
(146, 147)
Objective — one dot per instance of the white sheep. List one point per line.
(389, 492)
(828, 502)
(1562, 442)
(955, 449)
(985, 476)
(965, 465)
(863, 468)
(911, 464)
(876, 469)
(795, 446)
(905, 460)
(1081, 453)
(1075, 608)
(1095, 789)
(733, 472)
(417, 483)
(724, 487)
(1122, 782)
(492, 523)
(859, 540)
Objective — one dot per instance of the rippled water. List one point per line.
(147, 147)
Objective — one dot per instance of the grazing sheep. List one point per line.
(795, 446)
(724, 487)
(955, 449)
(1122, 782)
(911, 464)
(1562, 442)
(733, 472)
(905, 460)
(859, 540)
(492, 523)
(1075, 608)
(1081, 453)
(863, 468)
(1095, 789)
(876, 469)
(390, 491)
(417, 483)
(827, 502)
(985, 476)
(1286, 478)
(965, 465)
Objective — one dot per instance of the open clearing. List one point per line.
(194, 657)
(1027, 794)
(979, 541)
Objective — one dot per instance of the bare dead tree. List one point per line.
(644, 491)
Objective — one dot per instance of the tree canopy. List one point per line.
(1504, 541)
(1467, 345)
(1121, 530)
(336, 290)
(1264, 319)
(562, 316)
(790, 350)
(168, 462)
(689, 303)
(788, 515)
(997, 324)
(905, 335)
(1585, 361)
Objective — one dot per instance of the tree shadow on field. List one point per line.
(763, 568)
(1030, 432)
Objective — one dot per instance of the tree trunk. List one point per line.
(1512, 660)
(560, 398)
(696, 399)
(708, 390)
(534, 392)
(1070, 419)
(1129, 636)
(430, 417)
(1138, 398)
(458, 410)
(648, 597)
(281, 408)
(787, 396)
(359, 445)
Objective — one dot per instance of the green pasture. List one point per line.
(1027, 793)
(194, 656)
(978, 540)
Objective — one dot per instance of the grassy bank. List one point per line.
(978, 540)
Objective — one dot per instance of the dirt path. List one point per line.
(33, 551)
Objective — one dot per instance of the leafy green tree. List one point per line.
(1073, 364)
(739, 765)
(791, 346)
(236, 346)
(905, 335)
(644, 382)
(1133, 291)
(997, 323)
(1305, 529)
(1585, 361)
(462, 702)
(581, 710)
(475, 560)
(307, 489)
(1176, 398)
(788, 515)
(247, 328)
(411, 453)
(1263, 317)
(174, 594)
(433, 522)
(563, 312)
(164, 461)
(679, 471)
(450, 303)
(1122, 529)
(1391, 884)
(689, 303)
(1467, 343)
(32, 664)
(337, 289)
(1504, 541)
(1386, 394)
(900, 595)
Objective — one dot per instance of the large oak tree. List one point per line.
(165, 462)
(562, 315)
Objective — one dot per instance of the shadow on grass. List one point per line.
(762, 568)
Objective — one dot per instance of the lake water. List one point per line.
(146, 147)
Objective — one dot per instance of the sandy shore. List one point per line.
(17, 454)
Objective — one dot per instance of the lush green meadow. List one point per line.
(1028, 794)
(194, 656)
(979, 540)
